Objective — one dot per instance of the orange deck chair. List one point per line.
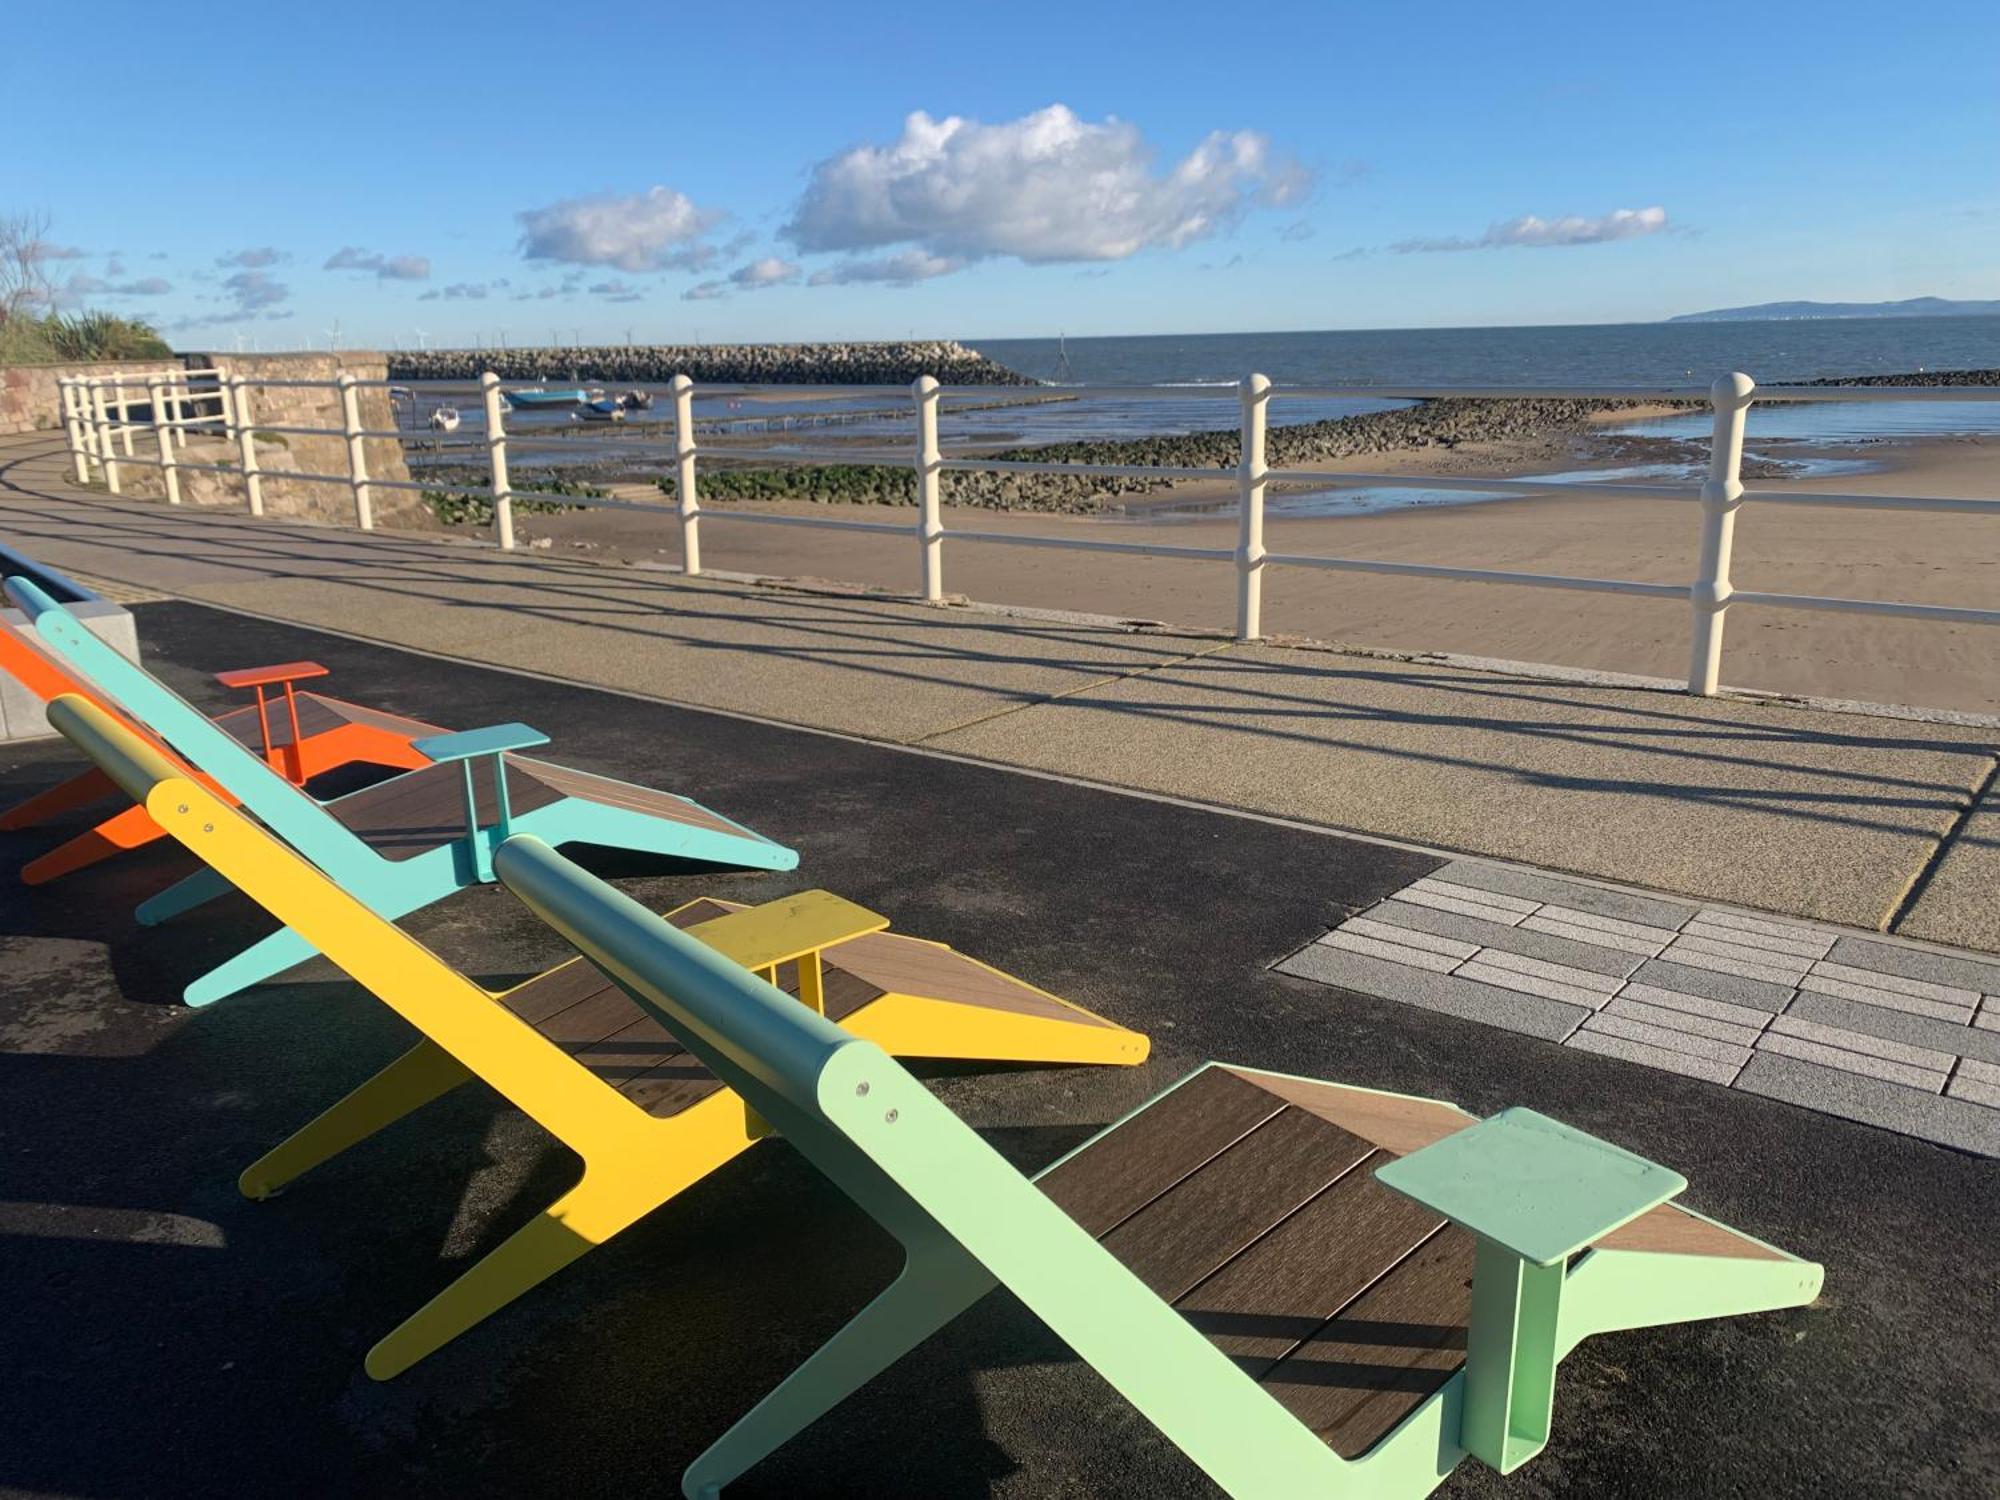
(300, 735)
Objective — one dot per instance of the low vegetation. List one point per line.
(477, 510)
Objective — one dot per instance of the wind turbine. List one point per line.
(421, 336)
(333, 337)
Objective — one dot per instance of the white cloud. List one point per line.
(253, 291)
(462, 291)
(251, 259)
(753, 277)
(384, 267)
(906, 268)
(39, 250)
(1535, 233)
(656, 230)
(617, 291)
(1047, 187)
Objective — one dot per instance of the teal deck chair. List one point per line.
(405, 842)
(1312, 1290)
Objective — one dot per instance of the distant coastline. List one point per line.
(1786, 312)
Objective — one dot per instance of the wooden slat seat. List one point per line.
(318, 714)
(589, 1017)
(1249, 1202)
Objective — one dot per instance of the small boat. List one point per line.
(601, 410)
(445, 419)
(636, 400)
(540, 398)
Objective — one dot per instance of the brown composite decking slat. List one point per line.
(1386, 1352)
(421, 810)
(318, 714)
(568, 782)
(1281, 1290)
(1232, 1200)
(1121, 1172)
(911, 966)
(1395, 1122)
(1668, 1230)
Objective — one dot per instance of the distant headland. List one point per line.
(1909, 307)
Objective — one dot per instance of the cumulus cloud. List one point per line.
(1044, 188)
(657, 230)
(251, 259)
(383, 267)
(40, 250)
(905, 268)
(616, 291)
(465, 291)
(93, 286)
(753, 277)
(1536, 233)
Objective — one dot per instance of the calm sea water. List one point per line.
(1594, 354)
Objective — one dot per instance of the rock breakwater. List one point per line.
(724, 364)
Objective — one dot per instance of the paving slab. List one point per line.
(1957, 904)
(1809, 813)
(1535, 1015)
(1898, 1026)
(1874, 1101)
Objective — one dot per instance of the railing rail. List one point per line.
(97, 419)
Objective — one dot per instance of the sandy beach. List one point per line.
(1928, 558)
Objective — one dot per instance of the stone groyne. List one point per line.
(720, 364)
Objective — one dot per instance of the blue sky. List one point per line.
(721, 172)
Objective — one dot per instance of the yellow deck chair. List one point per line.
(572, 1050)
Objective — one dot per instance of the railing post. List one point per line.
(124, 413)
(178, 409)
(246, 444)
(357, 456)
(1709, 594)
(496, 460)
(1256, 396)
(684, 484)
(163, 435)
(930, 529)
(107, 458)
(73, 428)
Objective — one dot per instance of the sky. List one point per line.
(397, 174)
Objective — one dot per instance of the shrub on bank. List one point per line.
(476, 510)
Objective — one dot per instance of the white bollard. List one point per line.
(79, 453)
(107, 454)
(163, 436)
(1255, 391)
(930, 528)
(357, 455)
(496, 460)
(246, 445)
(684, 482)
(1720, 496)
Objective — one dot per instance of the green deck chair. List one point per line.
(405, 842)
(1311, 1290)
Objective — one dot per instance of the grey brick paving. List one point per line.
(1706, 1068)
(1552, 1020)
(1715, 985)
(1555, 950)
(1950, 1122)
(1629, 906)
(1918, 963)
(1901, 1038)
(1895, 1025)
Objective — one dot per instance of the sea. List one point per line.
(1817, 440)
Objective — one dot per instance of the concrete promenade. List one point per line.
(1866, 820)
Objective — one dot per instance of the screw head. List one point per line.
(861, 1091)
(889, 1118)
(182, 808)
(208, 828)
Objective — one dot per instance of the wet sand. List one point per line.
(1931, 558)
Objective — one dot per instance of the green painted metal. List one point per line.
(1539, 1187)
(390, 888)
(967, 1220)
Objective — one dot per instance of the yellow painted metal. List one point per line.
(762, 937)
(632, 1161)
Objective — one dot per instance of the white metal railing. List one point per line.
(96, 412)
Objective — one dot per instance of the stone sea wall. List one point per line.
(724, 364)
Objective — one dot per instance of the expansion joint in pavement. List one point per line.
(1920, 881)
(1082, 687)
